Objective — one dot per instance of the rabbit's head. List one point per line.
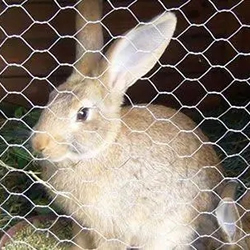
(234, 218)
(83, 115)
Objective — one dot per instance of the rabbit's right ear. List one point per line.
(138, 51)
(89, 34)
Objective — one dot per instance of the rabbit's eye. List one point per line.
(82, 114)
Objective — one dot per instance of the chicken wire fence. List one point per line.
(203, 73)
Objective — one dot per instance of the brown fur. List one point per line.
(141, 175)
(88, 27)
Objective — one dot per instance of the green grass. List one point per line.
(232, 145)
(229, 130)
(42, 235)
(17, 188)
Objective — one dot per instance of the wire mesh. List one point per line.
(203, 73)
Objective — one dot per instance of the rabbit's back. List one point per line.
(172, 150)
(163, 135)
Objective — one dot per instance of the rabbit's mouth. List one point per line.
(53, 157)
(79, 152)
(71, 152)
(77, 148)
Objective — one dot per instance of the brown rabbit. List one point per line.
(232, 227)
(130, 176)
(234, 218)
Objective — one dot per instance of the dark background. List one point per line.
(206, 65)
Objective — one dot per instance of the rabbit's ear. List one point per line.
(89, 35)
(227, 213)
(228, 218)
(138, 51)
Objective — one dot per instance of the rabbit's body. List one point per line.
(138, 188)
(139, 176)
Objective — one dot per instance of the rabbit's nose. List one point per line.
(40, 141)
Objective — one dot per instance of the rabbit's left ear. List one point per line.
(138, 51)
(228, 218)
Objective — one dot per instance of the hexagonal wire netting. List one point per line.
(203, 73)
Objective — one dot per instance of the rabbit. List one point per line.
(131, 177)
(232, 227)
